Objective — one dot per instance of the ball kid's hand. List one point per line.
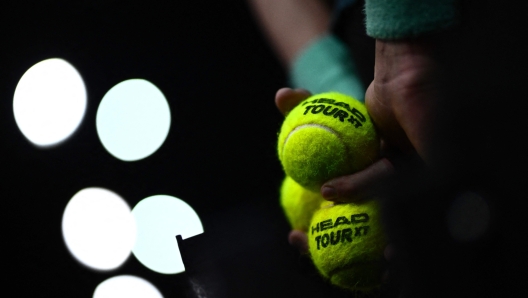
(402, 101)
(286, 99)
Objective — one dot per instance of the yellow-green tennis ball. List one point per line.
(326, 136)
(299, 204)
(346, 243)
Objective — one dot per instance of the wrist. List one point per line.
(405, 59)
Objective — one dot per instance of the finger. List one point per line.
(286, 98)
(360, 185)
(299, 240)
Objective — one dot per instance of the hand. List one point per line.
(286, 99)
(402, 101)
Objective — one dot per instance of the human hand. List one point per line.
(402, 101)
(352, 187)
(286, 99)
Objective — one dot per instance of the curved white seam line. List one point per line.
(308, 125)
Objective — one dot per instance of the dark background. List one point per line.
(219, 75)
(212, 63)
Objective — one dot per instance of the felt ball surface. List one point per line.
(346, 243)
(299, 204)
(326, 136)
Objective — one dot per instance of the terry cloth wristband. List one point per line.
(326, 65)
(396, 19)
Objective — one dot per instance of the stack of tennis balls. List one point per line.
(299, 204)
(326, 136)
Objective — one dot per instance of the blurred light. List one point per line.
(98, 228)
(468, 217)
(133, 120)
(49, 102)
(126, 286)
(159, 219)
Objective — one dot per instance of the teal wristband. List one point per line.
(327, 65)
(396, 19)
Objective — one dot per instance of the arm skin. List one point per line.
(403, 101)
(291, 25)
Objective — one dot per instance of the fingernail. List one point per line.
(329, 192)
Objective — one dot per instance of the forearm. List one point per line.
(291, 24)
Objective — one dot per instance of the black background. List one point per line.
(219, 75)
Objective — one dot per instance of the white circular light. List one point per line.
(159, 219)
(468, 217)
(98, 228)
(126, 286)
(133, 120)
(49, 102)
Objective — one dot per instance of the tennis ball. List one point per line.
(298, 204)
(326, 136)
(346, 243)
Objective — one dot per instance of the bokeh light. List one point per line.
(126, 286)
(159, 219)
(98, 228)
(133, 120)
(49, 102)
